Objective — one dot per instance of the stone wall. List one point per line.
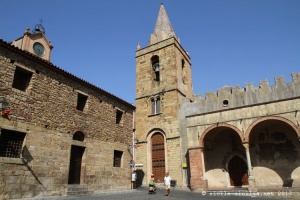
(266, 118)
(46, 112)
(174, 161)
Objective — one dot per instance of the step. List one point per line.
(76, 189)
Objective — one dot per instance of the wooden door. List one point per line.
(158, 157)
(238, 172)
(75, 164)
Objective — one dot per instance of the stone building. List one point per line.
(234, 137)
(60, 134)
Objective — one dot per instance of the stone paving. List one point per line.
(177, 194)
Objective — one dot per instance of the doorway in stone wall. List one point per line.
(75, 164)
(238, 172)
(158, 157)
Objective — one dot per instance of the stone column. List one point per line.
(203, 163)
(251, 180)
(198, 181)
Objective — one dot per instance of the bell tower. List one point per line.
(163, 82)
(35, 42)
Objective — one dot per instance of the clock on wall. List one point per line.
(38, 49)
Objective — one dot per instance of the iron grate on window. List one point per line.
(11, 143)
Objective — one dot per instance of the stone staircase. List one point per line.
(76, 189)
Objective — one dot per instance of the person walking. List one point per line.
(167, 181)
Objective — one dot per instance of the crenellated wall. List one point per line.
(230, 97)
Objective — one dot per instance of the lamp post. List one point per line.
(132, 148)
(132, 162)
(3, 105)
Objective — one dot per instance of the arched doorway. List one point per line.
(238, 172)
(158, 157)
(76, 159)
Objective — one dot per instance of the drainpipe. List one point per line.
(133, 141)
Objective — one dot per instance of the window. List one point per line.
(225, 103)
(11, 143)
(79, 136)
(21, 79)
(156, 67)
(183, 72)
(155, 105)
(117, 158)
(81, 101)
(119, 115)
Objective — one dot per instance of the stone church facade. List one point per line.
(234, 137)
(60, 135)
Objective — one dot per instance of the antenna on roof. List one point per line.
(39, 28)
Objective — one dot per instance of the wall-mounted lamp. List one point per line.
(134, 145)
(3, 106)
(136, 140)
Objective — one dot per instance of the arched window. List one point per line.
(155, 105)
(155, 67)
(79, 136)
(183, 72)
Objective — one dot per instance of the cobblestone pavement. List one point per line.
(177, 194)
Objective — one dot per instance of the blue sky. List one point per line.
(231, 42)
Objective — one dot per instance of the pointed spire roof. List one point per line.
(163, 28)
(163, 23)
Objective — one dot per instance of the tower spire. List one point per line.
(163, 28)
(163, 23)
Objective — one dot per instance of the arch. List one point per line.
(152, 133)
(201, 139)
(230, 155)
(77, 159)
(155, 67)
(154, 59)
(182, 63)
(249, 129)
(79, 136)
(155, 104)
(237, 170)
(183, 72)
(158, 156)
(274, 145)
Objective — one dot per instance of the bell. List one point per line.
(156, 66)
(37, 28)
